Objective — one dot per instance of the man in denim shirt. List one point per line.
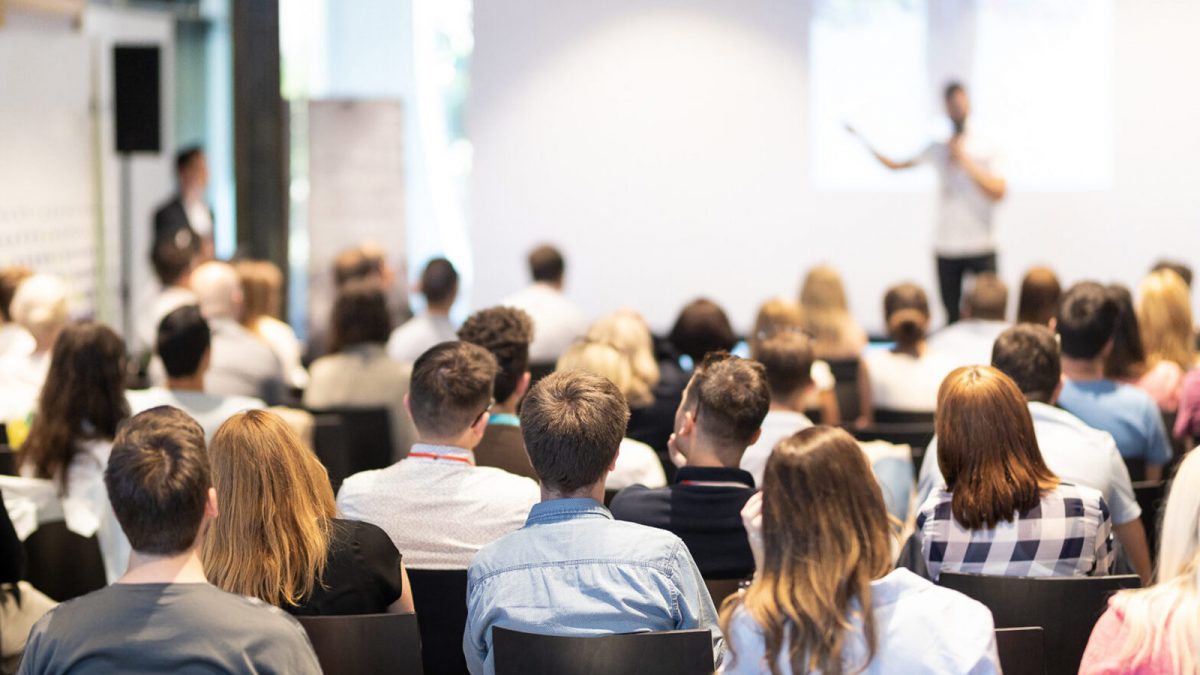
(573, 570)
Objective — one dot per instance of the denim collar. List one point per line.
(558, 510)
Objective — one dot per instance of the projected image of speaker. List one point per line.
(137, 99)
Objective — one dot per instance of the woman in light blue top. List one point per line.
(820, 535)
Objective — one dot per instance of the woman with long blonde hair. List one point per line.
(1157, 629)
(825, 597)
(827, 320)
(627, 331)
(1164, 317)
(278, 538)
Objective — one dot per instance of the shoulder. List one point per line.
(497, 483)
(631, 502)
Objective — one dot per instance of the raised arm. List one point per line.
(883, 159)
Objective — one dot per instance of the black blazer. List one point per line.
(171, 218)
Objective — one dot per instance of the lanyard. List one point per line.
(431, 455)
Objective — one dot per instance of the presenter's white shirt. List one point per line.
(964, 226)
(556, 321)
(199, 217)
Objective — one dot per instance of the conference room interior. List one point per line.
(651, 336)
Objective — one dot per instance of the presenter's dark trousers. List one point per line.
(952, 271)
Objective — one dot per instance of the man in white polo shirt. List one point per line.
(1075, 452)
(971, 184)
(436, 505)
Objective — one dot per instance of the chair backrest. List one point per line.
(62, 564)
(609, 495)
(1021, 650)
(539, 370)
(885, 416)
(676, 652)
(349, 440)
(845, 388)
(365, 644)
(1150, 495)
(719, 589)
(8, 460)
(1066, 608)
(440, 598)
(916, 435)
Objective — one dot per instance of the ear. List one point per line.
(408, 406)
(210, 504)
(480, 425)
(755, 437)
(613, 467)
(688, 427)
(1057, 390)
(1053, 323)
(523, 386)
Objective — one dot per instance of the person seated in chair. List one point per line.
(573, 570)
(968, 341)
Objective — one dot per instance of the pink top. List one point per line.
(1163, 382)
(1107, 643)
(1188, 421)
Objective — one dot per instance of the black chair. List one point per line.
(349, 440)
(1066, 608)
(539, 370)
(365, 644)
(8, 461)
(1021, 650)
(608, 496)
(885, 416)
(916, 435)
(845, 376)
(719, 589)
(672, 653)
(440, 599)
(1136, 467)
(1150, 495)
(62, 564)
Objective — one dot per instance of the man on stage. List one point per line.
(971, 184)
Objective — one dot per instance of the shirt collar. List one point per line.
(436, 453)
(557, 510)
(504, 420)
(714, 476)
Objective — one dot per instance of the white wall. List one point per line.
(663, 144)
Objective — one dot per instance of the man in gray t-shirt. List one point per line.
(163, 616)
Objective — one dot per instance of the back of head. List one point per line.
(546, 264)
(41, 305)
(1086, 321)
(271, 541)
(218, 290)
(627, 331)
(186, 156)
(1164, 312)
(183, 338)
(1182, 269)
(262, 289)
(83, 397)
(158, 479)
(823, 301)
(1127, 360)
(1028, 354)
(439, 283)
(601, 359)
(573, 422)
(987, 450)
(825, 538)
(451, 387)
(10, 278)
(173, 257)
(702, 327)
(1040, 292)
(788, 359)
(987, 298)
(360, 316)
(505, 332)
(363, 262)
(906, 312)
(730, 397)
(777, 316)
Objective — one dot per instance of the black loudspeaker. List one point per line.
(136, 99)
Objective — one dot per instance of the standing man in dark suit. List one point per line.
(187, 217)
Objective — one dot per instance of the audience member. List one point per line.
(505, 332)
(163, 616)
(41, 306)
(826, 315)
(365, 262)
(1187, 419)
(907, 376)
(721, 414)
(241, 364)
(700, 328)
(557, 322)
(14, 339)
(1086, 323)
(173, 264)
(637, 464)
(279, 538)
(1002, 511)
(968, 341)
(1153, 630)
(184, 348)
(358, 373)
(572, 569)
(1164, 312)
(187, 219)
(439, 285)
(1126, 361)
(436, 505)
(826, 598)
(78, 414)
(262, 288)
(1038, 300)
(1178, 267)
(779, 315)
(788, 360)
(1075, 452)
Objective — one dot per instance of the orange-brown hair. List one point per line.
(262, 290)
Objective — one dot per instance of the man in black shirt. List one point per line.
(719, 417)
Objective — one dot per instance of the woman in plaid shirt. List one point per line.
(1003, 512)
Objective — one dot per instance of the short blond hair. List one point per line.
(627, 331)
(41, 305)
(601, 359)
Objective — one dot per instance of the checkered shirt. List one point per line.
(1068, 534)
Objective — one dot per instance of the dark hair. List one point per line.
(951, 88)
(186, 155)
(172, 258)
(183, 338)
(83, 398)
(1087, 320)
(439, 281)
(906, 312)
(573, 422)
(356, 264)
(1040, 292)
(788, 359)
(360, 316)
(546, 264)
(1180, 268)
(451, 385)
(10, 278)
(158, 479)
(731, 397)
(702, 327)
(987, 298)
(1127, 360)
(505, 332)
(1028, 353)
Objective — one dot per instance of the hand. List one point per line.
(752, 521)
(678, 458)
